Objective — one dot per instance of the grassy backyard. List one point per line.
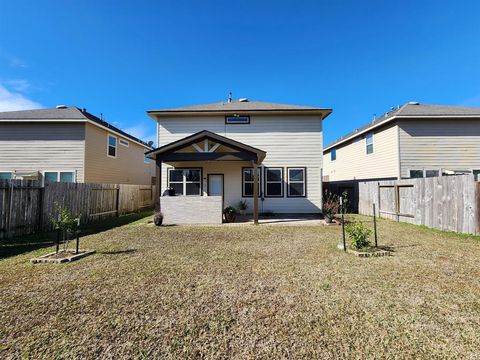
(245, 292)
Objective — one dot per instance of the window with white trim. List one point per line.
(59, 176)
(431, 173)
(123, 142)
(415, 174)
(146, 160)
(296, 182)
(185, 181)
(333, 154)
(273, 182)
(247, 182)
(237, 119)
(112, 146)
(369, 142)
(5, 175)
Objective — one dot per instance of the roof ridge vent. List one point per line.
(61, 106)
(243, 100)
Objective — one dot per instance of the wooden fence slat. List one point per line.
(446, 203)
(33, 206)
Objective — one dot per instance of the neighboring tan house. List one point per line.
(414, 140)
(208, 153)
(68, 144)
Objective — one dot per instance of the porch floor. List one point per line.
(280, 219)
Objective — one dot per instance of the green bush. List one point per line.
(358, 234)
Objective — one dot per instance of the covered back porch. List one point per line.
(204, 173)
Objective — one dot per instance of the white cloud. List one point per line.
(20, 85)
(14, 100)
(144, 131)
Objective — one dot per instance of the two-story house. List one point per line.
(215, 155)
(68, 144)
(410, 141)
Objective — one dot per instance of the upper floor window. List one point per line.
(123, 142)
(333, 154)
(5, 176)
(185, 181)
(237, 119)
(146, 160)
(296, 182)
(369, 142)
(112, 146)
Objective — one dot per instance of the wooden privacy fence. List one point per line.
(26, 207)
(446, 202)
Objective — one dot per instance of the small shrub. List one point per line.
(358, 234)
(230, 210)
(242, 205)
(331, 204)
(66, 223)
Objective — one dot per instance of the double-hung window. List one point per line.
(369, 142)
(333, 154)
(185, 181)
(273, 182)
(59, 176)
(5, 175)
(112, 146)
(296, 182)
(247, 182)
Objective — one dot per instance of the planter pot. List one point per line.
(158, 219)
(243, 212)
(328, 219)
(230, 218)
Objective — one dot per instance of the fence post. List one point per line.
(41, 195)
(343, 224)
(10, 206)
(375, 225)
(117, 205)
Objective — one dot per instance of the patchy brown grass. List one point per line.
(245, 292)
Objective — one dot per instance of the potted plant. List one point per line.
(230, 214)
(242, 207)
(158, 218)
(331, 206)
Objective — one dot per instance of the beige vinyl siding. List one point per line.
(353, 162)
(127, 168)
(289, 140)
(42, 147)
(431, 144)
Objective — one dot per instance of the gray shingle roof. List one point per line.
(237, 105)
(413, 110)
(68, 113)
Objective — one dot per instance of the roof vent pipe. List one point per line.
(230, 97)
(61, 106)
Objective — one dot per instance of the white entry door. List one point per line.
(215, 185)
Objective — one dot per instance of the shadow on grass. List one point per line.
(22, 244)
(118, 252)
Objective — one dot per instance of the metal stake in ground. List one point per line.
(343, 224)
(375, 226)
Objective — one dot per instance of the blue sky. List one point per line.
(121, 58)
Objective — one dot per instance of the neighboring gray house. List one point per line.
(69, 144)
(414, 140)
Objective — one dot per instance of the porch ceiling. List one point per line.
(238, 151)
